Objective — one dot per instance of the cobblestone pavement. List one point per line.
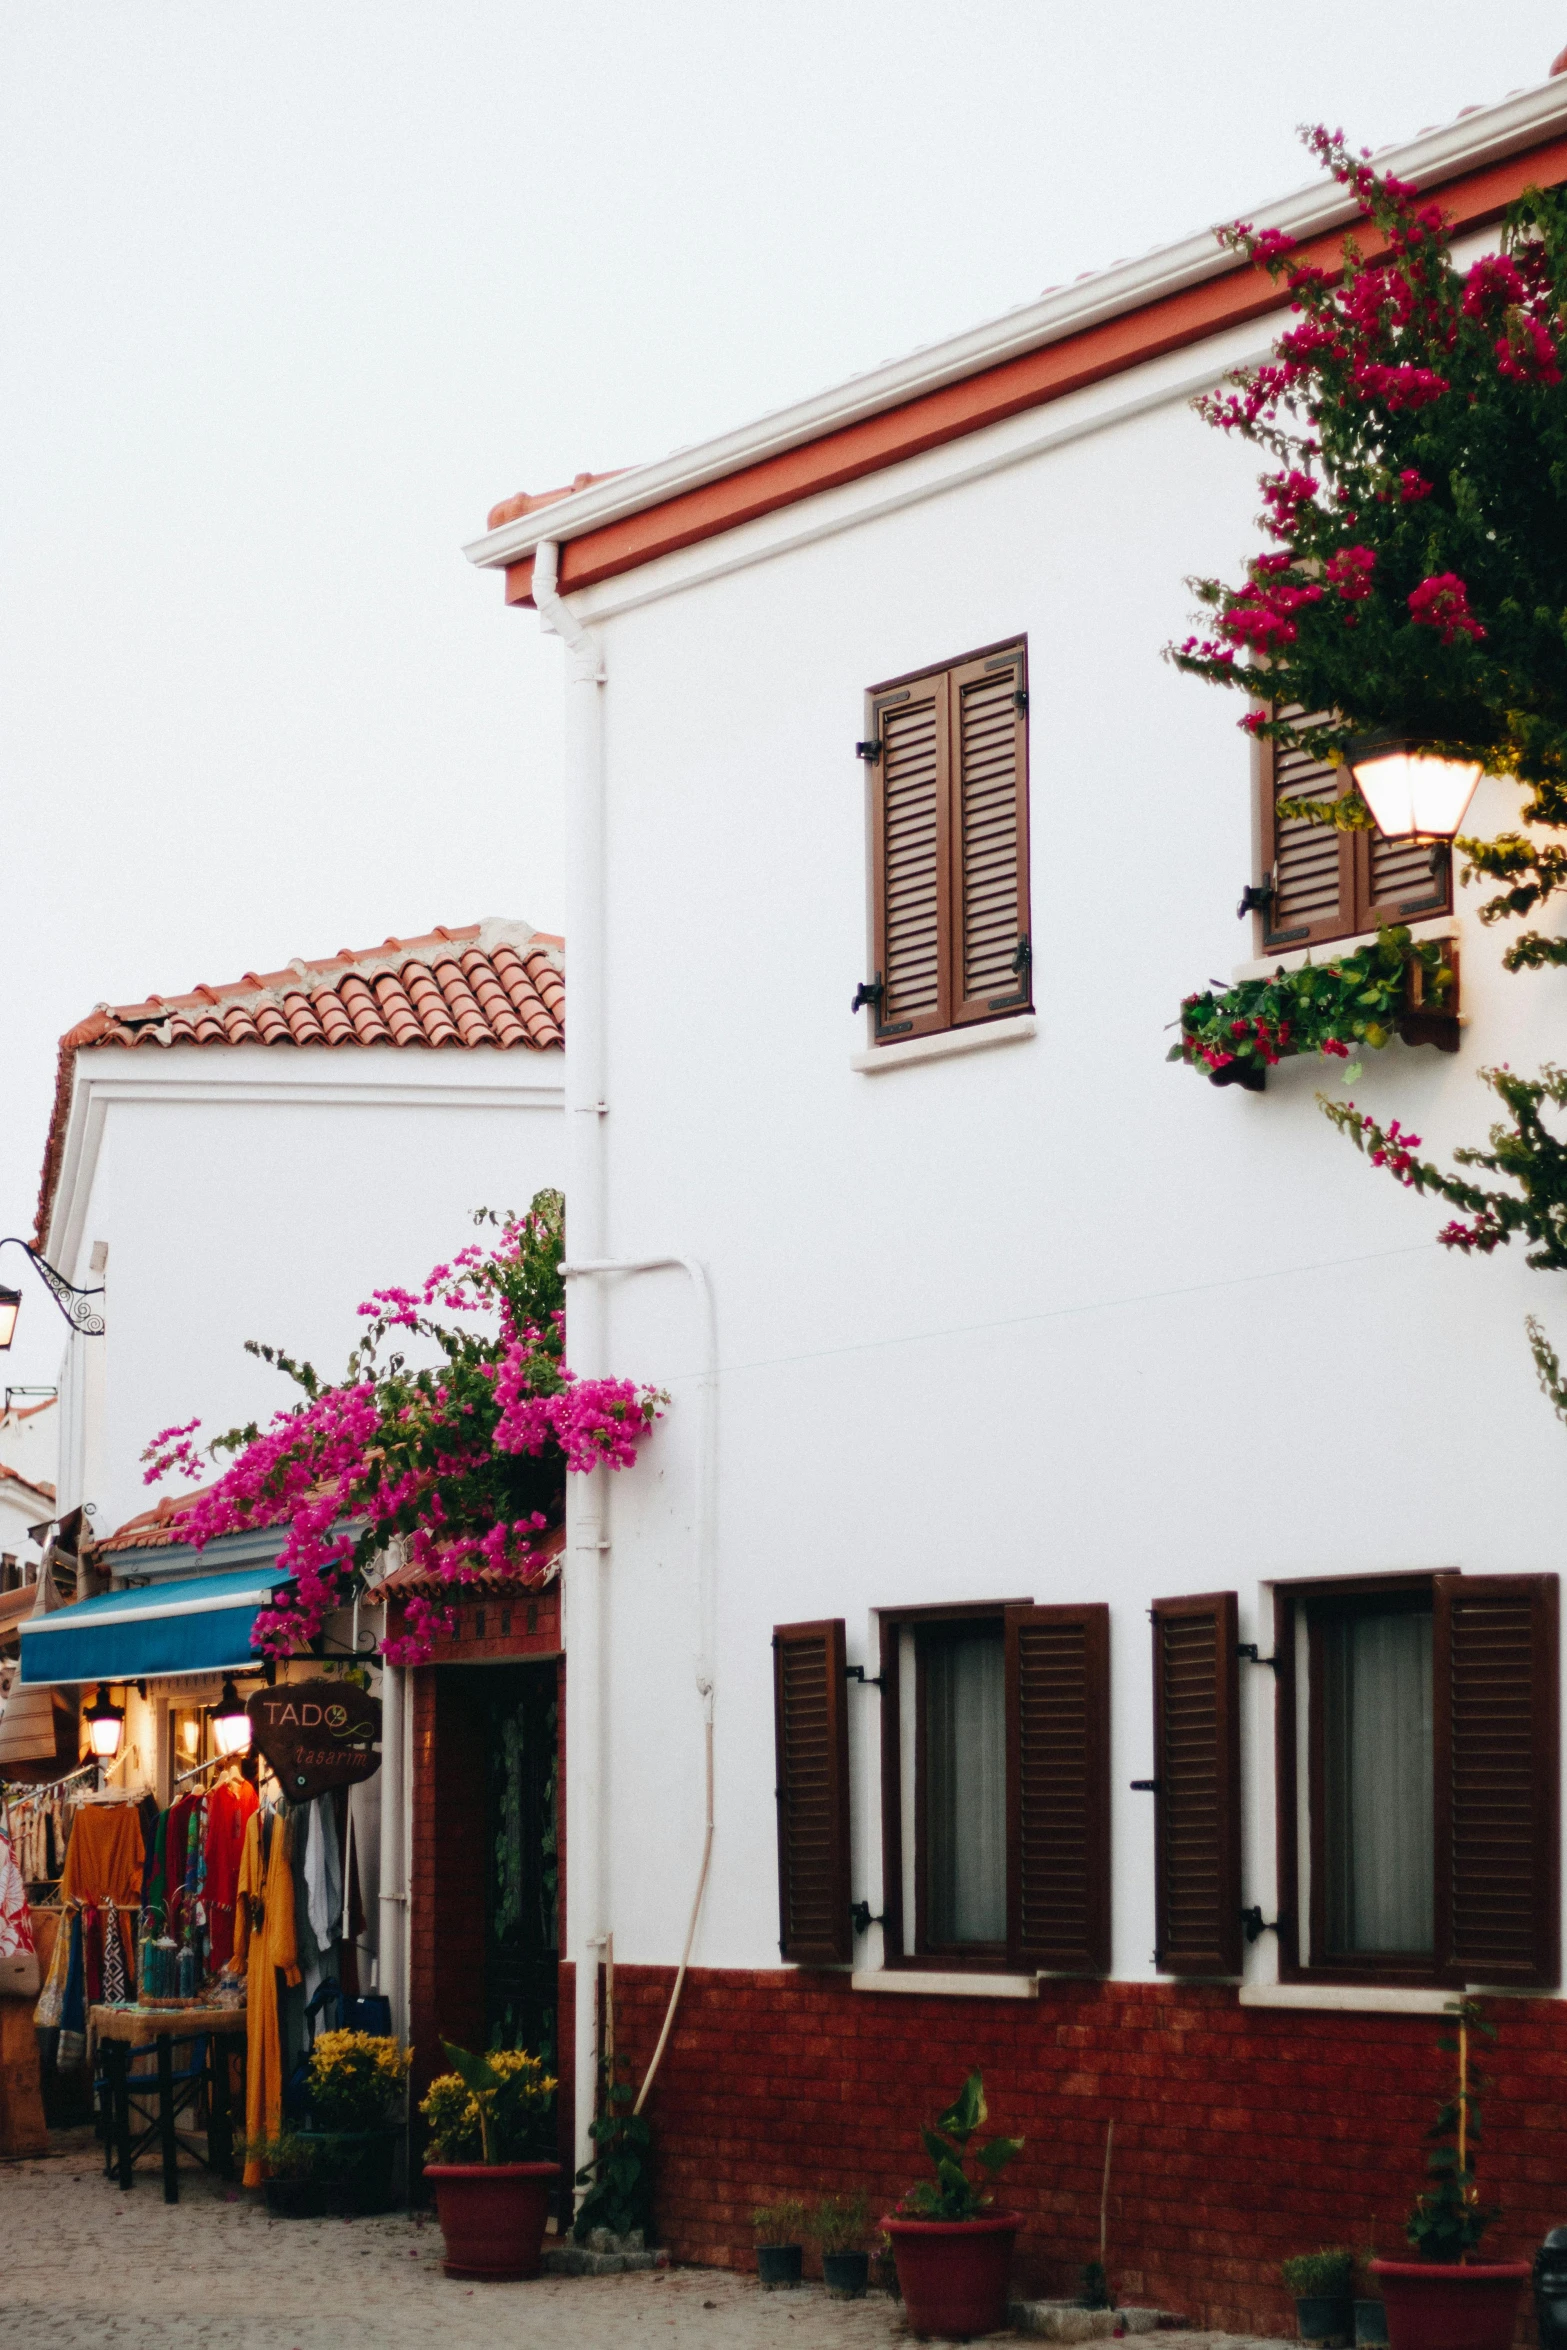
(81, 2264)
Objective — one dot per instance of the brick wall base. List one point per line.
(1241, 2134)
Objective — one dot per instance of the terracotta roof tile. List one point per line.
(499, 984)
(38, 1485)
(421, 1583)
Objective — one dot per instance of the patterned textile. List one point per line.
(115, 1986)
(16, 1930)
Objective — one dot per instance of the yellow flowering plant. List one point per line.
(355, 2079)
(493, 2107)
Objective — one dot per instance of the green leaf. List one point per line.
(998, 2152)
(476, 2072)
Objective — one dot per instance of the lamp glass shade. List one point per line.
(1413, 794)
(105, 1725)
(10, 1307)
(230, 1723)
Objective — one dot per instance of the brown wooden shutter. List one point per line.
(1496, 1754)
(1197, 1808)
(1058, 1788)
(811, 1727)
(1400, 881)
(910, 856)
(1312, 867)
(990, 836)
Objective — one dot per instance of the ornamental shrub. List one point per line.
(1326, 2275)
(356, 2080)
(493, 2107)
(952, 2194)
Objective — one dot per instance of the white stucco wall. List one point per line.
(1059, 1321)
(264, 1192)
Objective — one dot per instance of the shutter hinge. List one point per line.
(1256, 898)
(1021, 699)
(1248, 1650)
(1145, 1786)
(866, 1680)
(863, 1921)
(870, 752)
(1024, 956)
(869, 991)
(1256, 1924)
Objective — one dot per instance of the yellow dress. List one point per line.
(263, 1943)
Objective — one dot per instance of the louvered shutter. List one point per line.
(1058, 1789)
(1495, 1750)
(910, 854)
(990, 837)
(1311, 866)
(1197, 1813)
(810, 1722)
(1401, 881)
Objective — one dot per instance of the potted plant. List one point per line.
(954, 2253)
(1370, 2312)
(354, 2086)
(487, 2120)
(1444, 2299)
(292, 2185)
(1323, 2286)
(780, 2238)
(840, 2225)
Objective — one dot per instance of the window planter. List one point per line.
(1341, 1007)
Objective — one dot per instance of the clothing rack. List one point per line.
(214, 1762)
(18, 1793)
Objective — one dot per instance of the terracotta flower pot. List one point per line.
(954, 2273)
(492, 2215)
(1437, 2305)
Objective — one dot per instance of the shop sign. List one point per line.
(316, 1735)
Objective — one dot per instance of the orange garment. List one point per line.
(103, 1862)
(264, 1944)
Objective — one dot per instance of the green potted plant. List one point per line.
(1323, 2286)
(355, 2089)
(1370, 2312)
(779, 2229)
(840, 2225)
(1444, 2299)
(292, 2185)
(954, 2253)
(488, 2121)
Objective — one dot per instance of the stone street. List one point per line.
(83, 2265)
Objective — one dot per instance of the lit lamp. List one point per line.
(230, 1722)
(10, 1304)
(1412, 793)
(105, 1725)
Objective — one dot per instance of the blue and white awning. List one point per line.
(201, 1624)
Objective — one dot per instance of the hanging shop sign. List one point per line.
(316, 1735)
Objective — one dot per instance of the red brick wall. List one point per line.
(1241, 2135)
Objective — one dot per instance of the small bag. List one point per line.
(370, 2011)
(19, 1975)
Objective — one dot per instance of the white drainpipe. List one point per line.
(587, 1742)
(392, 1940)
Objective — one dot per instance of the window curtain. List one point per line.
(1379, 1783)
(965, 1789)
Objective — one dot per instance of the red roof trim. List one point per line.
(852, 451)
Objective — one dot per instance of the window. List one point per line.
(960, 1770)
(947, 767)
(1417, 1769)
(1326, 884)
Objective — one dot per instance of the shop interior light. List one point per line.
(230, 1722)
(105, 1725)
(10, 1307)
(1412, 793)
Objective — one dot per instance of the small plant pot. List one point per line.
(846, 2274)
(1326, 2318)
(294, 2198)
(357, 2167)
(778, 2265)
(492, 2215)
(1441, 2305)
(1370, 2324)
(954, 2273)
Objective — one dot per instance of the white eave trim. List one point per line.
(1488, 135)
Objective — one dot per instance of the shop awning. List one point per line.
(199, 1625)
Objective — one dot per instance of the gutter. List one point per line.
(1486, 136)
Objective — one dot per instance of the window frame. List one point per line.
(1414, 1592)
(954, 1009)
(958, 1958)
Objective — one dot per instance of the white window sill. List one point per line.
(943, 1047)
(1348, 1998)
(926, 1982)
(1329, 949)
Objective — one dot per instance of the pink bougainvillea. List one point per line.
(463, 1463)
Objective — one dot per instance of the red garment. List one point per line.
(229, 1806)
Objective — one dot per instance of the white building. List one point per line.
(1010, 1310)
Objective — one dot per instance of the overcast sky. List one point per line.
(293, 294)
